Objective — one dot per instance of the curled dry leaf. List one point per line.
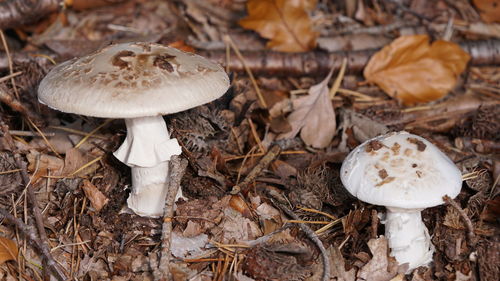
(95, 196)
(412, 70)
(313, 116)
(8, 250)
(488, 9)
(286, 23)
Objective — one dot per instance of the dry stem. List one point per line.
(468, 223)
(177, 169)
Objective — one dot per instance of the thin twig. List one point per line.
(11, 67)
(468, 223)
(262, 101)
(255, 172)
(44, 138)
(265, 238)
(92, 133)
(29, 133)
(177, 168)
(10, 76)
(374, 224)
(338, 80)
(309, 233)
(39, 220)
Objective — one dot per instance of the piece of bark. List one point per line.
(14, 13)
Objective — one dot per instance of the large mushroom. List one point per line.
(405, 173)
(139, 82)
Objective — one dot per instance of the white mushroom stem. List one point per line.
(408, 237)
(147, 149)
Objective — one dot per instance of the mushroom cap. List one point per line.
(400, 170)
(133, 80)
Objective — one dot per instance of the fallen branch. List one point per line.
(484, 52)
(177, 169)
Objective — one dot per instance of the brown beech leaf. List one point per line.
(412, 70)
(285, 22)
(488, 9)
(8, 250)
(313, 116)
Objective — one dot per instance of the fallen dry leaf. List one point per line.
(238, 204)
(337, 268)
(286, 23)
(381, 267)
(184, 247)
(412, 70)
(313, 116)
(96, 197)
(8, 250)
(238, 228)
(94, 267)
(41, 164)
(75, 163)
(488, 9)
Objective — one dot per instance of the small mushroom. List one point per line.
(139, 82)
(406, 174)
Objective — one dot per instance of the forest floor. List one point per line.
(263, 194)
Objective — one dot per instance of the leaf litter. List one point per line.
(220, 233)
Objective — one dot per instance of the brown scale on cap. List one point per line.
(117, 59)
(386, 180)
(419, 173)
(374, 146)
(420, 144)
(395, 148)
(162, 61)
(382, 174)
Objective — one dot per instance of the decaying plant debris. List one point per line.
(260, 166)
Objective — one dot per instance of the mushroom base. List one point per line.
(147, 149)
(149, 190)
(408, 237)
